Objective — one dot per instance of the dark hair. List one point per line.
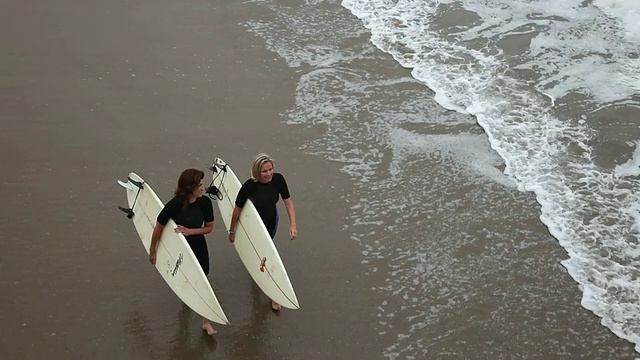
(189, 181)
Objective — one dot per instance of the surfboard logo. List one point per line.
(263, 263)
(177, 266)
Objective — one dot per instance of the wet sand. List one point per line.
(92, 90)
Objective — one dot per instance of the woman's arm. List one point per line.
(207, 228)
(235, 217)
(155, 240)
(293, 231)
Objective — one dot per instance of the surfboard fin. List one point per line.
(138, 184)
(127, 211)
(132, 185)
(218, 164)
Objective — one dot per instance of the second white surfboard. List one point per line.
(252, 242)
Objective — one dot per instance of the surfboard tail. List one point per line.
(131, 185)
(219, 164)
(219, 169)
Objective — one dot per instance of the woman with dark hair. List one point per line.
(193, 213)
(264, 189)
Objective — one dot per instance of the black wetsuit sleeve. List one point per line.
(169, 211)
(284, 189)
(207, 209)
(244, 193)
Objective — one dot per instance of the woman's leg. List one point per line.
(201, 251)
(272, 229)
(206, 326)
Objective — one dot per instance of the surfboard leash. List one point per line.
(213, 190)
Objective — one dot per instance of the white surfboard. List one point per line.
(252, 242)
(175, 260)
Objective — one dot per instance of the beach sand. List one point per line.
(93, 90)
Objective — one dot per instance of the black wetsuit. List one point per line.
(264, 197)
(192, 217)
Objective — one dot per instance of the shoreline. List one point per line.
(158, 87)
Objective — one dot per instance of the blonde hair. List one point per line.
(256, 166)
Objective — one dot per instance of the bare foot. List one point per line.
(275, 306)
(206, 326)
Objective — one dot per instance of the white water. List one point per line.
(539, 77)
(576, 51)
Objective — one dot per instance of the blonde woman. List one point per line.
(264, 189)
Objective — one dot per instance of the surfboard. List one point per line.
(252, 242)
(175, 261)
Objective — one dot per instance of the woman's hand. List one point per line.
(232, 237)
(152, 257)
(293, 232)
(183, 230)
